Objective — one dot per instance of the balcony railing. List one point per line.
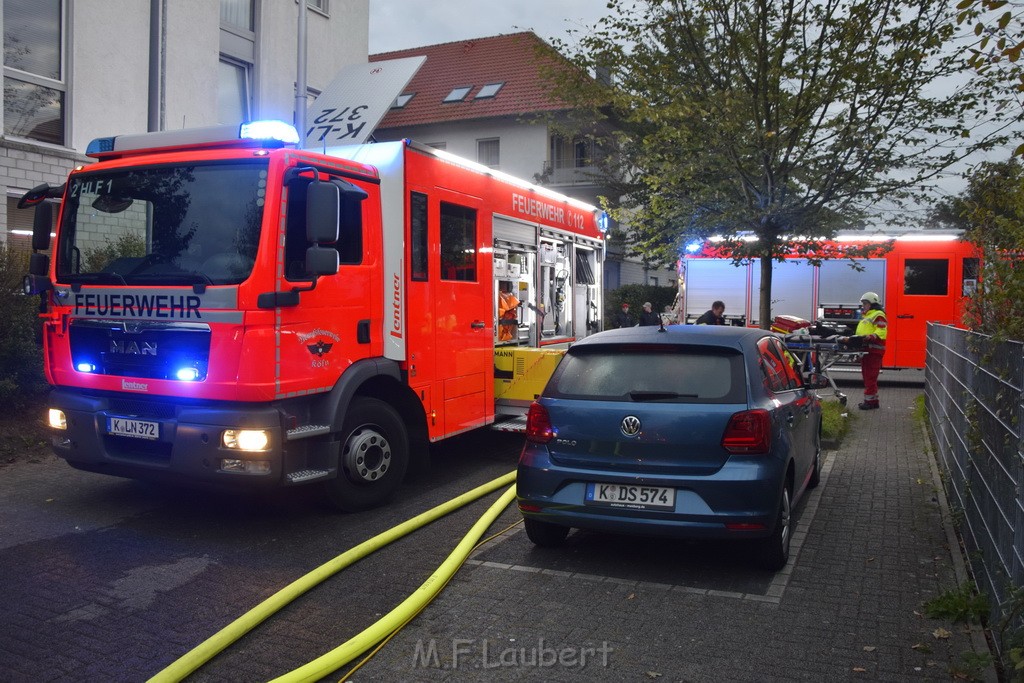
(567, 173)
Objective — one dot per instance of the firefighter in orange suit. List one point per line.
(508, 316)
(870, 337)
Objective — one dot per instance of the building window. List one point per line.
(489, 90)
(322, 6)
(488, 152)
(237, 57)
(237, 13)
(233, 96)
(458, 94)
(571, 153)
(34, 88)
(402, 100)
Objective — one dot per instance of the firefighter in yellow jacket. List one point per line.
(870, 337)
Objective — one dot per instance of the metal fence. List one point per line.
(974, 391)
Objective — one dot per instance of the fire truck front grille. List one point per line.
(136, 408)
(140, 349)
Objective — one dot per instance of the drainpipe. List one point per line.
(156, 58)
(300, 77)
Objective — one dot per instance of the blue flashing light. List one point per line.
(694, 247)
(602, 221)
(187, 374)
(269, 131)
(85, 367)
(100, 145)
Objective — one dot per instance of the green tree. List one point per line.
(991, 213)
(773, 119)
(998, 28)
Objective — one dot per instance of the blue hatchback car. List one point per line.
(686, 431)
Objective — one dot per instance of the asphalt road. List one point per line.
(106, 579)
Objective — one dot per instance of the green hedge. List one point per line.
(635, 296)
(21, 357)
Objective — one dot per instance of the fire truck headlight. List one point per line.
(246, 439)
(57, 419)
(86, 367)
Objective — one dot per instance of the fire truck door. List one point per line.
(924, 293)
(464, 329)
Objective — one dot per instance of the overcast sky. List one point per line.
(399, 24)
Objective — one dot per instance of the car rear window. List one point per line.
(678, 374)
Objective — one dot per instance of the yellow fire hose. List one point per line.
(338, 657)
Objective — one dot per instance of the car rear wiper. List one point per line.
(657, 395)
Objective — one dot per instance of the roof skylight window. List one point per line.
(489, 90)
(458, 94)
(402, 100)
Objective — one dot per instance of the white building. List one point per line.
(487, 99)
(75, 70)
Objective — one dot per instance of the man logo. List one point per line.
(630, 425)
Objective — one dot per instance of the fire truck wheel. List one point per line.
(374, 456)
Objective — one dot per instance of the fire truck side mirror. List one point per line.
(323, 212)
(42, 223)
(322, 261)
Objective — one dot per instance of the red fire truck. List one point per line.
(221, 306)
(921, 277)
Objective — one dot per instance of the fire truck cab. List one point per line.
(221, 306)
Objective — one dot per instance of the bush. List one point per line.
(21, 359)
(635, 296)
(835, 421)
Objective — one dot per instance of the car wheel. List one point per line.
(545, 534)
(774, 551)
(816, 472)
(374, 456)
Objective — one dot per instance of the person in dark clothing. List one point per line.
(713, 317)
(623, 318)
(648, 316)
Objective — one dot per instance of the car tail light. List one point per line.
(748, 432)
(538, 424)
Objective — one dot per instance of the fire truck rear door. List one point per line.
(924, 293)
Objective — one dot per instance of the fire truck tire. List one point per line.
(374, 456)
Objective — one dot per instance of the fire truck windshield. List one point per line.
(162, 225)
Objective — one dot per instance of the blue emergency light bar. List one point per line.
(266, 133)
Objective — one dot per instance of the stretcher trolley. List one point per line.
(817, 356)
(816, 349)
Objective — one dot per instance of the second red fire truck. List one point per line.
(921, 277)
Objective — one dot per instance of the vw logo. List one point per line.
(630, 425)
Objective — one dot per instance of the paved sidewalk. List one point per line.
(871, 548)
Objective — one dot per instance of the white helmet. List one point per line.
(870, 297)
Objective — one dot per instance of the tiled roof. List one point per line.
(514, 59)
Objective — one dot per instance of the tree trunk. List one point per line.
(765, 305)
